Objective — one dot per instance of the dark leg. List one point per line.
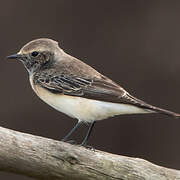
(72, 130)
(84, 143)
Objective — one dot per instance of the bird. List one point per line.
(72, 87)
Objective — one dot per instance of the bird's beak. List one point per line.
(14, 56)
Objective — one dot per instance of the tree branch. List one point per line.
(48, 159)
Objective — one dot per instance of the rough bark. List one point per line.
(47, 159)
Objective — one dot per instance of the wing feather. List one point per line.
(98, 89)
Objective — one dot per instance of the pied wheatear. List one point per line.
(76, 89)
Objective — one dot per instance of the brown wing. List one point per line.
(98, 89)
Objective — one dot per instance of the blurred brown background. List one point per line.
(134, 42)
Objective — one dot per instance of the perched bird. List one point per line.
(76, 89)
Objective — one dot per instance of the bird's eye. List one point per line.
(34, 53)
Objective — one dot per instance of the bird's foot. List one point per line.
(87, 146)
(73, 142)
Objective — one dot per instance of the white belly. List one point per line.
(85, 109)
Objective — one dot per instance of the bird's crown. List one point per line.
(42, 44)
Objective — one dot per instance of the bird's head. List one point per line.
(37, 54)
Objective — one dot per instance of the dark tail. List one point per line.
(147, 106)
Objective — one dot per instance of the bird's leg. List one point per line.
(84, 143)
(72, 130)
